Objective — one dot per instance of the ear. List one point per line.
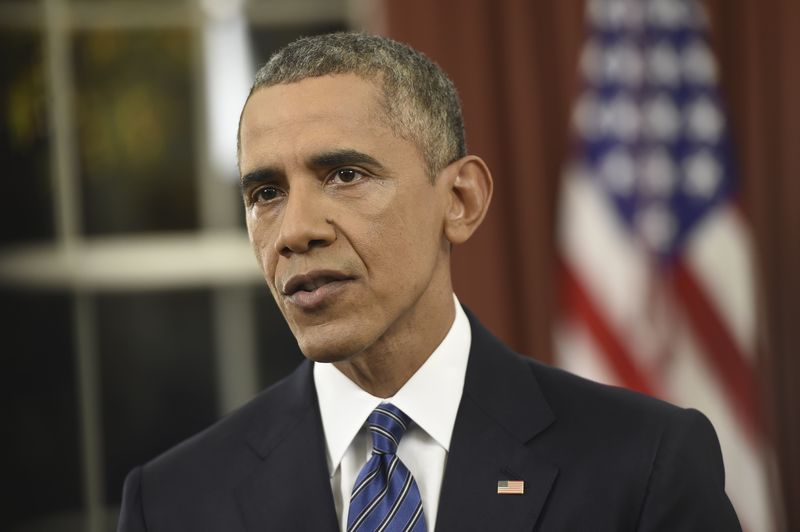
(469, 184)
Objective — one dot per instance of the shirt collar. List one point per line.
(439, 382)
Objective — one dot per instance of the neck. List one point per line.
(388, 364)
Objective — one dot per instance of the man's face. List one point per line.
(344, 219)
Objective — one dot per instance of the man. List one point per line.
(408, 414)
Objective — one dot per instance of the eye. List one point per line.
(346, 175)
(265, 194)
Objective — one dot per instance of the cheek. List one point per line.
(402, 239)
(262, 241)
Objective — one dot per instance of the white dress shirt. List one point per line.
(430, 398)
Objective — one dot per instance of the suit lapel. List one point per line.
(501, 410)
(290, 488)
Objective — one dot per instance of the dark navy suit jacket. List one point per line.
(592, 457)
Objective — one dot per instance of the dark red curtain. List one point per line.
(515, 64)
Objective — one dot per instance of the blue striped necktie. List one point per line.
(385, 496)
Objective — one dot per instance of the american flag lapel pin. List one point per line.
(510, 487)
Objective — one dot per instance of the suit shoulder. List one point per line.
(610, 417)
(221, 445)
(580, 409)
(566, 391)
(193, 485)
(663, 458)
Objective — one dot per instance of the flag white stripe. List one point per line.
(576, 352)
(690, 382)
(610, 266)
(721, 239)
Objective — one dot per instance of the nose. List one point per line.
(304, 224)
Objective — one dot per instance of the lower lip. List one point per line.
(318, 298)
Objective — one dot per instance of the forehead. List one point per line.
(323, 108)
(319, 95)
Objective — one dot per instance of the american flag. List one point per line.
(656, 277)
(510, 487)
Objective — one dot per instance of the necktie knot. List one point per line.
(387, 424)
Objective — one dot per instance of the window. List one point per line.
(134, 312)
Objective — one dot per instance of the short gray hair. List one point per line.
(419, 100)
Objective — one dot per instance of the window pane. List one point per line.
(37, 373)
(157, 374)
(136, 130)
(24, 142)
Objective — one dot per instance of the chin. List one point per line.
(325, 348)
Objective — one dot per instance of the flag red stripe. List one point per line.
(719, 348)
(577, 301)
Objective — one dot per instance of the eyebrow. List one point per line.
(343, 157)
(261, 175)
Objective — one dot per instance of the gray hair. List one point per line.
(420, 102)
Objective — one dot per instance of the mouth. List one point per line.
(313, 289)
